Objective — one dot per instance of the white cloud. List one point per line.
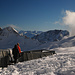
(69, 20)
(58, 22)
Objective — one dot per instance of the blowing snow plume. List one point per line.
(69, 20)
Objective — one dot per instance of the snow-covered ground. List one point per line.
(61, 63)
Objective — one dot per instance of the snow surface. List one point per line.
(61, 63)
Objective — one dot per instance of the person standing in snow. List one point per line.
(16, 52)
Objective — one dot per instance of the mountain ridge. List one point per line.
(29, 34)
(51, 35)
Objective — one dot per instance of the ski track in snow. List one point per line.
(62, 63)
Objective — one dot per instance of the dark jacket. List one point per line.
(15, 52)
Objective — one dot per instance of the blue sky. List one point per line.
(36, 15)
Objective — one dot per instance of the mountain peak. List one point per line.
(8, 31)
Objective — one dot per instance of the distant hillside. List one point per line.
(29, 34)
(52, 35)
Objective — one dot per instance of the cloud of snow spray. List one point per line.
(69, 20)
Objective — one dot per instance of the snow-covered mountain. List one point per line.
(29, 34)
(52, 35)
(8, 31)
(9, 37)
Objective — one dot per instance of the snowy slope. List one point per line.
(9, 37)
(52, 35)
(62, 63)
(67, 42)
